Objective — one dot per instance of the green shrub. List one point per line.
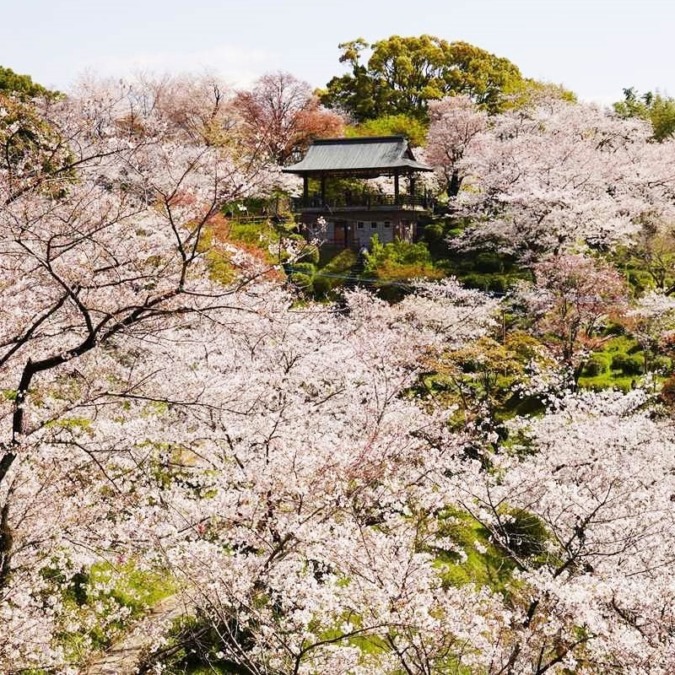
(413, 129)
(629, 364)
(661, 364)
(301, 275)
(486, 565)
(608, 381)
(433, 232)
(337, 261)
(435, 238)
(311, 254)
(220, 267)
(398, 252)
(303, 282)
(489, 262)
(323, 285)
(399, 261)
(196, 647)
(395, 272)
(613, 329)
(524, 533)
(597, 364)
(306, 268)
(391, 293)
(479, 281)
(640, 281)
(635, 348)
(622, 343)
(498, 284)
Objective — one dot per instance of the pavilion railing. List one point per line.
(361, 200)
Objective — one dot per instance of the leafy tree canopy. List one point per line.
(30, 147)
(414, 129)
(23, 85)
(654, 107)
(403, 74)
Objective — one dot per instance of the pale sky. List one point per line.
(594, 47)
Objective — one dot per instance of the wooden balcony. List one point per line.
(361, 201)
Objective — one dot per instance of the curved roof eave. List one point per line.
(344, 155)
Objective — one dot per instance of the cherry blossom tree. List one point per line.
(585, 513)
(200, 108)
(265, 483)
(313, 487)
(161, 416)
(572, 298)
(100, 242)
(455, 122)
(281, 116)
(559, 175)
(274, 461)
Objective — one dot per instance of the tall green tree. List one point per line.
(414, 129)
(22, 86)
(658, 109)
(402, 74)
(30, 146)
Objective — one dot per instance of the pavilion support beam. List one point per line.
(323, 190)
(396, 187)
(305, 190)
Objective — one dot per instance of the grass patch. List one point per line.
(480, 561)
(101, 603)
(621, 364)
(335, 267)
(131, 586)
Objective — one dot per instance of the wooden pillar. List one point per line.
(305, 190)
(395, 187)
(412, 189)
(323, 190)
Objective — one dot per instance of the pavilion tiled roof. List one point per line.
(385, 154)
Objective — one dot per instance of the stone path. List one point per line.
(123, 656)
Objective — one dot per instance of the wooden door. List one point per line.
(340, 233)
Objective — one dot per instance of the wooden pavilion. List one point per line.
(354, 215)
